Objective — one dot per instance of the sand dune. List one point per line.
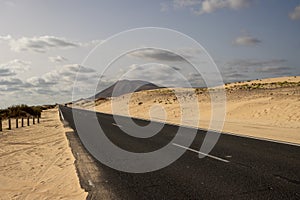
(267, 108)
(36, 162)
(290, 79)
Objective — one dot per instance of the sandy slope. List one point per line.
(36, 162)
(292, 79)
(268, 108)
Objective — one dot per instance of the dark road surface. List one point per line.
(240, 168)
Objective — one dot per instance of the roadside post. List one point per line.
(9, 124)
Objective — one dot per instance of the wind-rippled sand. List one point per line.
(36, 162)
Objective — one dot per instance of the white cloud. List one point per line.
(19, 64)
(59, 83)
(157, 54)
(67, 75)
(91, 43)
(38, 81)
(295, 14)
(274, 70)
(7, 37)
(43, 43)
(13, 67)
(246, 69)
(185, 3)
(54, 82)
(164, 55)
(40, 44)
(10, 81)
(57, 59)
(246, 40)
(7, 72)
(76, 68)
(160, 74)
(208, 6)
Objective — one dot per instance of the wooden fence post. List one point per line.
(28, 123)
(22, 122)
(9, 124)
(17, 123)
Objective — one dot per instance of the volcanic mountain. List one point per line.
(124, 87)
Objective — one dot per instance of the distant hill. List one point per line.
(124, 87)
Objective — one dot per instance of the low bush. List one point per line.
(21, 111)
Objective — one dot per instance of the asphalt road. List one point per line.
(236, 168)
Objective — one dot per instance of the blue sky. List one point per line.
(43, 43)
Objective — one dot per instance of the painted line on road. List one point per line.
(91, 183)
(62, 116)
(116, 125)
(199, 152)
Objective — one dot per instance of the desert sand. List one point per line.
(268, 108)
(37, 163)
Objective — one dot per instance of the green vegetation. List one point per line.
(21, 111)
(200, 90)
(265, 85)
(165, 91)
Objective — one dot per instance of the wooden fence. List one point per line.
(17, 121)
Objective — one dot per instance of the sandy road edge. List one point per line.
(37, 162)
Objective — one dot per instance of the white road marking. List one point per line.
(62, 116)
(193, 150)
(116, 125)
(91, 183)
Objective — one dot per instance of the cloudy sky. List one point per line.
(43, 44)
